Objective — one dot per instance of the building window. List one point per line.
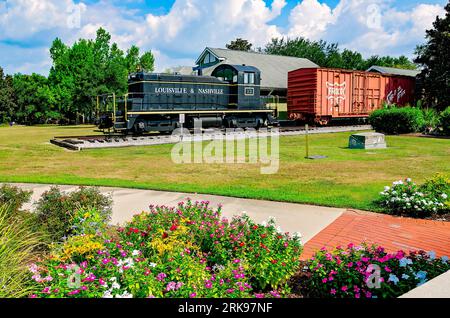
(208, 59)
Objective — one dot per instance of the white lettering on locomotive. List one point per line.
(210, 91)
(170, 90)
(180, 90)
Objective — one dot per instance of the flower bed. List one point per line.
(367, 272)
(187, 251)
(405, 197)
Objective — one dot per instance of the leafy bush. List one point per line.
(14, 197)
(406, 198)
(56, 210)
(369, 272)
(18, 245)
(397, 120)
(187, 251)
(431, 119)
(445, 121)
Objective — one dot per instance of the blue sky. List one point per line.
(178, 30)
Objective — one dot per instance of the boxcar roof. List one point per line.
(274, 68)
(393, 71)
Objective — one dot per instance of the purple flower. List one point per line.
(208, 284)
(259, 295)
(161, 277)
(275, 294)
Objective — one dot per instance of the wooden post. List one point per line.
(307, 141)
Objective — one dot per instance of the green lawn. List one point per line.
(347, 178)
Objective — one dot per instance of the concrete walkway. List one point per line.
(306, 219)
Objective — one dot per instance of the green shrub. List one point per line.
(14, 197)
(56, 210)
(18, 246)
(445, 121)
(431, 119)
(397, 120)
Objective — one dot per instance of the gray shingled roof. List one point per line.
(274, 68)
(392, 70)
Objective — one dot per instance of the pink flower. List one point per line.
(344, 288)
(259, 295)
(333, 291)
(350, 264)
(74, 292)
(33, 296)
(193, 295)
(230, 290)
(208, 284)
(324, 280)
(387, 269)
(357, 295)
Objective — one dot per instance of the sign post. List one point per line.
(182, 121)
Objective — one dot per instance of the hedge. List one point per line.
(397, 120)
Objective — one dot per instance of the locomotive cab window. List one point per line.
(249, 78)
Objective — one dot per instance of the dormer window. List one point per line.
(208, 59)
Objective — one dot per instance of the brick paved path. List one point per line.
(394, 233)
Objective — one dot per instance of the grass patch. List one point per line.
(347, 178)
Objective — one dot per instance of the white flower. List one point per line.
(297, 235)
(136, 253)
(408, 180)
(125, 295)
(279, 230)
(272, 219)
(152, 264)
(386, 188)
(264, 223)
(115, 286)
(244, 213)
(107, 294)
(444, 196)
(113, 279)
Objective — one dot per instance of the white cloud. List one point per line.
(368, 26)
(177, 37)
(310, 19)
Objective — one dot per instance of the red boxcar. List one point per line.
(323, 94)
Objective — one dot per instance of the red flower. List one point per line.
(241, 244)
(264, 235)
(173, 227)
(274, 261)
(165, 235)
(255, 227)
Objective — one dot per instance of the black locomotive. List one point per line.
(162, 102)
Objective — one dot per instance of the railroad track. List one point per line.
(115, 141)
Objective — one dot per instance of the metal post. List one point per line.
(307, 141)
(126, 110)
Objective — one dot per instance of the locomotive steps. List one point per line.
(78, 143)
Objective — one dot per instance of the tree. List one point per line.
(240, 45)
(7, 103)
(329, 55)
(434, 57)
(135, 63)
(147, 62)
(36, 102)
(89, 68)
